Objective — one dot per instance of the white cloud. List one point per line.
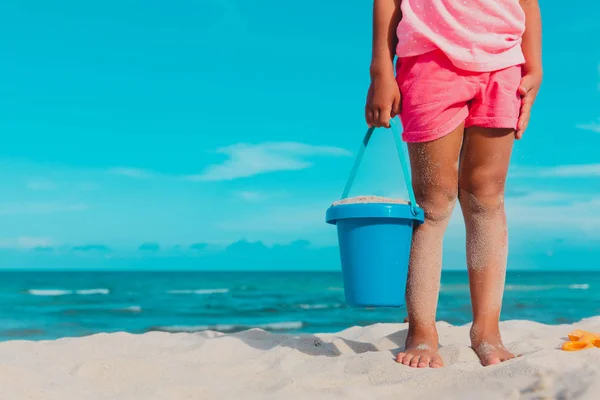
(252, 196)
(579, 214)
(245, 160)
(24, 242)
(136, 173)
(559, 171)
(41, 184)
(592, 126)
(39, 208)
(279, 220)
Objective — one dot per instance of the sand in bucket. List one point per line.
(369, 199)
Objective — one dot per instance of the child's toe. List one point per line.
(400, 357)
(436, 362)
(415, 361)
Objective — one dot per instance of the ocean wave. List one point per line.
(535, 288)
(62, 292)
(581, 286)
(93, 291)
(318, 306)
(282, 325)
(49, 292)
(132, 309)
(199, 291)
(272, 326)
(335, 289)
(529, 288)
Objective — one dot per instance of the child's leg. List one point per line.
(435, 181)
(483, 167)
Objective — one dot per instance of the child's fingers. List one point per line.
(527, 83)
(369, 116)
(526, 104)
(522, 125)
(525, 111)
(396, 106)
(519, 134)
(527, 92)
(376, 117)
(385, 116)
(525, 124)
(522, 91)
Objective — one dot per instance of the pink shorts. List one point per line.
(437, 97)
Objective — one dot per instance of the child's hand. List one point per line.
(383, 101)
(528, 89)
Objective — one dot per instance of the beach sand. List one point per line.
(357, 363)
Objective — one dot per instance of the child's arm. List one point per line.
(532, 70)
(383, 99)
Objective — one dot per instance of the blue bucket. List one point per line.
(375, 239)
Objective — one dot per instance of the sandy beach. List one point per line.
(356, 363)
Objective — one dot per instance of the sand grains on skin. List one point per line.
(490, 354)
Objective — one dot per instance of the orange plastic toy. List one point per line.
(579, 340)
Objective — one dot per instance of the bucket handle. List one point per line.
(401, 156)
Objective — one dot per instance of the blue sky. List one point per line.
(214, 134)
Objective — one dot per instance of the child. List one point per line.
(467, 74)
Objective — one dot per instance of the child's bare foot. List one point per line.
(488, 346)
(421, 350)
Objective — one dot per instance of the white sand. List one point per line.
(357, 363)
(369, 199)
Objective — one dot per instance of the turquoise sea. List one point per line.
(48, 305)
